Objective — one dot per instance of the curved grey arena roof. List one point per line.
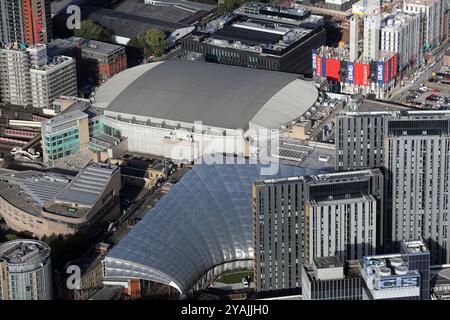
(204, 221)
(218, 95)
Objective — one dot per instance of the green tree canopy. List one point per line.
(92, 31)
(152, 42)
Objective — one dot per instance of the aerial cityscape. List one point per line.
(224, 150)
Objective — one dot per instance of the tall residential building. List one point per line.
(417, 161)
(412, 147)
(399, 33)
(25, 271)
(25, 21)
(37, 21)
(343, 227)
(57, 78)
(284, 220)
(354, 37)
(27, 78)
(432, 13)
(359, 140)
(15, 76)
(371, 39)
(11, 21)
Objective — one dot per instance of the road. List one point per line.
(404, 91)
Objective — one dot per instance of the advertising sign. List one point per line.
(380, 72)
(314, 61)
(319, 66)
(350, 72)
(398, 282)
(362, 71)
(333, 67)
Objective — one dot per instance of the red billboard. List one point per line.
(362, 71)
(394, 66)
(332, 69)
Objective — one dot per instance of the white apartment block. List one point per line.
(399, 33)
(27, 78)
(371, 40)
(431, 12)
(58, 78)
(14, 77)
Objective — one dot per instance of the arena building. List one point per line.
(159, 105)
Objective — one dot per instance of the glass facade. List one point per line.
(203, 223)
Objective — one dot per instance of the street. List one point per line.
(401, 93)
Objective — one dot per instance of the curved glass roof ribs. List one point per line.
(205, 221)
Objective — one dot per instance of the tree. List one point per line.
(92, 31)
(11, 236)
(153, 42)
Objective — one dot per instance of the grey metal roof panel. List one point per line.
(218, 95)
(204, 221)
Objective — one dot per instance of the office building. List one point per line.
(286, 223)
(25, 21)
(328, 279)
(418, 258)
(259, 36)
(64, 135)
(48, 203)
(25, 270)
(102, 60)
(399, 33)
(431, 13)
(399, 276)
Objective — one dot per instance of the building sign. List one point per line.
(319, 66)
(380, 72)
(398, 282)
(314, 61)
(350, 72)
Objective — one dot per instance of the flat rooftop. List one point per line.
(99, 47)
(127, 24)
(254, 33)
(88, 185)
(327, 262)
(24, 251)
